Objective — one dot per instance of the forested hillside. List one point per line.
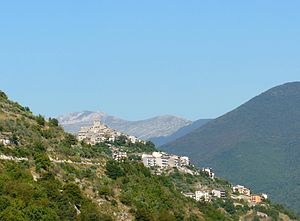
(257, 144)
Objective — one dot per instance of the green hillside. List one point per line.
(257, 144)
(46, 174)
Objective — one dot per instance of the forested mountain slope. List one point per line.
(257, 144)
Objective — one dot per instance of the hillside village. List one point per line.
(119, 177)
(99, 132)
(164, 163)
(158, 162)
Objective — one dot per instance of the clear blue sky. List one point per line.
(137, 59)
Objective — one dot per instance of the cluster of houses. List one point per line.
(161, 161)
(245, 194)
(119, 155)
(206, 195)
(164, 160)
(99, 133)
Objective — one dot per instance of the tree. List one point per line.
(113, 169)
(38, 146)
(105, 190)
(229, 207)
(143, 215)
(40, 120)
(3, 95)
(53, 122)
(70, 140)
(4, 203)
(14, 139)
(121, 140)
(38, 213)
(12, 214)
(41, 161)
(166, 216)
(73, 193)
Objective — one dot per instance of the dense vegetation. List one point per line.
(256, 144)
(48, 199)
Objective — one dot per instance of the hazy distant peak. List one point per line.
(163, 125)
(77, 117)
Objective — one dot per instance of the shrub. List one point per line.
(53, 122)
(114, 170)
(41, 161)
(40, 120)
(3, 95)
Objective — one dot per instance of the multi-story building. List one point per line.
(163, 160)
(184, 161)
(241, 190)
(256, 199)
(149, 160)
(218, 193)
(209, 172)
(119, 155)
(174, 161)
(202, 196)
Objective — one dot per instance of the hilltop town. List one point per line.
(163, 163)
(99, 132)
(106, 175)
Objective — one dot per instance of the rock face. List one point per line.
(143, 129)
(257, 144)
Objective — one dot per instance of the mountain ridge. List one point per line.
(262, 135)
(163, 125)
(159, 141)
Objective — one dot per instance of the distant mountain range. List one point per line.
(160, 126)
(257, 144)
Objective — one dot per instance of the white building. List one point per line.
(133, 139)
(264, 196)
(241, 190)
(119, 155)
(82, 134)
(164, 160)
(149, 160)
(173, 161)
(209, 172)
(184, 161)
(202, 196)
(218, 193)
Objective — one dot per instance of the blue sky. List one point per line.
(138, 59)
